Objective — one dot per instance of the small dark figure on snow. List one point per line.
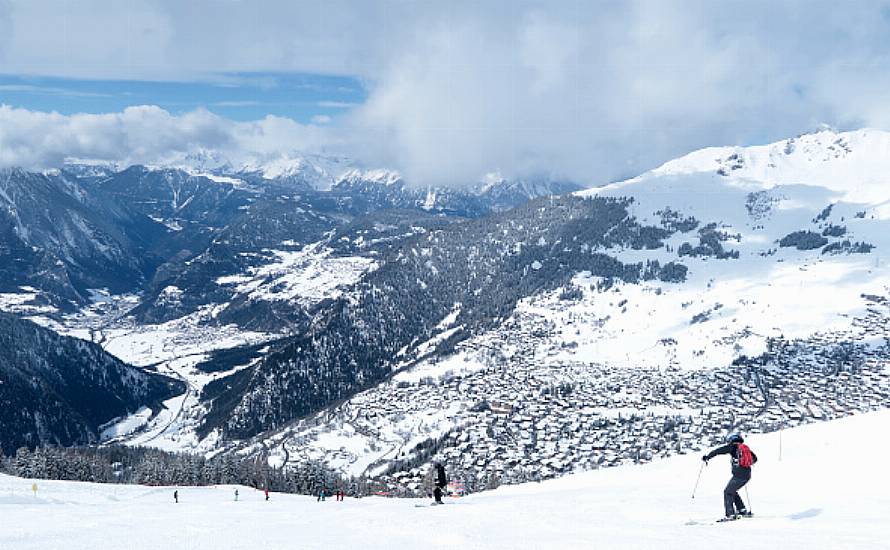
(441, 481)
(236, 495)
(742, 460)
(267, 493)
(176, 497)
(321, 496)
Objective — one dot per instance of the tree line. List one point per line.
(144, 466)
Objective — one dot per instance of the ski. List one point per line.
(707, 521)
(723, 520)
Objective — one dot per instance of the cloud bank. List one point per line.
(144, 135)
(590, 90)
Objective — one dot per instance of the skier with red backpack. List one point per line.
(742, 460)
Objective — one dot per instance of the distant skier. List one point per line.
(267, 493)
(236, 495)
(440, 481)
(321, 496)
(176, 497)
(742, 460)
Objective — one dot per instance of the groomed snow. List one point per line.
(827, 492)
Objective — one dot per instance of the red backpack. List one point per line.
(746, 459)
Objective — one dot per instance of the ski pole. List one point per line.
(694, 489)
(748, 497)
(780, 445)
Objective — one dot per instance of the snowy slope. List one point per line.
(824, 492)
(853, 164)
(756, 196)
(305, 277)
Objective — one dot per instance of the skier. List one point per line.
(267, 493)
(441, 481)
(176, 497)
(742, 460)
(321, 496)
(236, 495)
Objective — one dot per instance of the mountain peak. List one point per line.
(378, 176)
(856, 164)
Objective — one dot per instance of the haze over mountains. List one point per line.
(307, 304)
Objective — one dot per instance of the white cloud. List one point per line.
(321, 119)
(601, 90)
(590, 90)
(143, 134)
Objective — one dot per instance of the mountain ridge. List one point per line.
(59, 390)
(356, 297)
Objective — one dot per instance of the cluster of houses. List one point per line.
(519, 418)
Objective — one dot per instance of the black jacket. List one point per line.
(441, 480)
(732, 450)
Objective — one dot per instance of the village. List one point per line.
(523, 418)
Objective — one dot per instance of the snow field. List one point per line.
(304, 277)
(731, 306)
(827, 492)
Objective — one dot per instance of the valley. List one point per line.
(360, 326)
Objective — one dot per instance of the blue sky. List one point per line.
(306, 98)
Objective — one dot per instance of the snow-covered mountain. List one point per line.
(58, 390)
(779, 239)
(776, 267)
(354, 178)
(57, 236)
(380, 189)
(375, 325)
(503, 193)
(90, 170)
(199, 248)
(312, 171)
(852, 164)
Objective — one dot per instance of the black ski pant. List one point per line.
(732, 502)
